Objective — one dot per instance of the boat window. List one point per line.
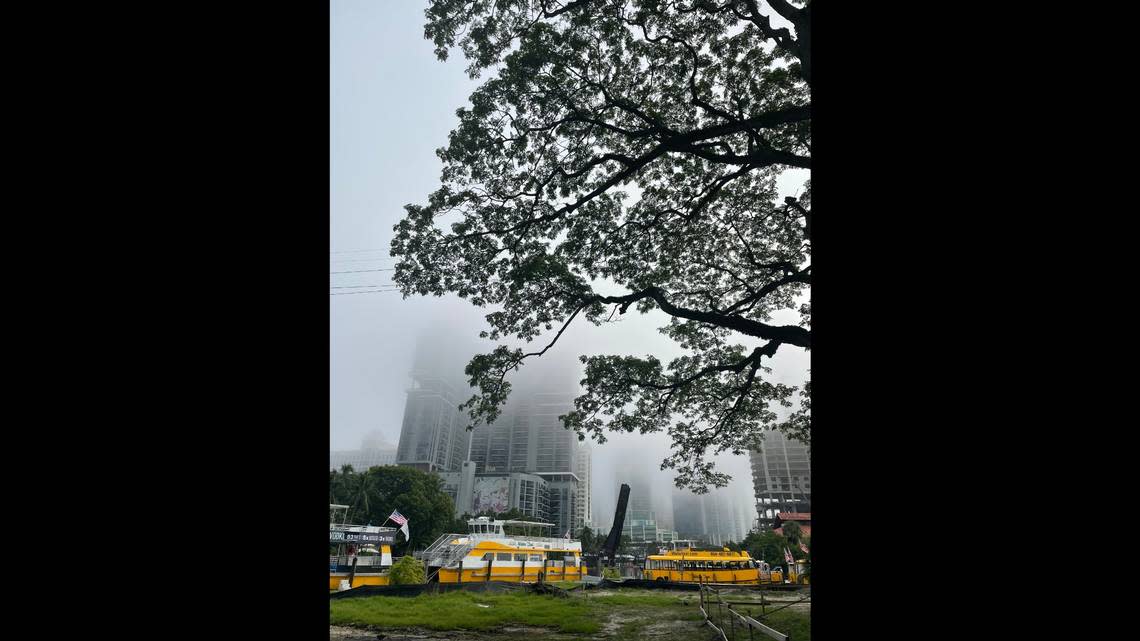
(488, 556)
(536, 557)
(503, 556)
(520, 556)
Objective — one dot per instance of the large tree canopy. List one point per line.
(624, 153)
(374, 493)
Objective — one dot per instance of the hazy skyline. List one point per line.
(392, 104)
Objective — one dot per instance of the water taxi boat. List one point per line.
(362, 554)
(687, 564)
(489, 553)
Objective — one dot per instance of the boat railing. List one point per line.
(447, 550)
(370, 529)
(528, 539)
(361, 561)
(438, 545)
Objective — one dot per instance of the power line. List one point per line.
(360, 260)
(371, 291)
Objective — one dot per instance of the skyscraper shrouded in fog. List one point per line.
(525, 460)
(433, 437)
(714, 518)
(781, 477)
(529, 437)
(649, 513)
(374, 451)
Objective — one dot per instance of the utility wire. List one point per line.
(359, 260)
(371, 291)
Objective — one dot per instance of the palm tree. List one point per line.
(363, 486)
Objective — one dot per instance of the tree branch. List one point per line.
(790, 334)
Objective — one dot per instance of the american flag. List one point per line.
(788, 556)
(403, 522)
(804, 548)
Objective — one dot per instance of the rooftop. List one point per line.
(794, 516)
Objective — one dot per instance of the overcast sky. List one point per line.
(392, 104)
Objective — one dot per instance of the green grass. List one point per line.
(582, 613)
(462, 611)
(639, 600)
(797, 624)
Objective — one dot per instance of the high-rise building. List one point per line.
(781, 477)
(433, 437)
(526, 459)
(585, 508)
(649, 513)
(374, 451)
(474, 493)
(713, 517)
(529, 438)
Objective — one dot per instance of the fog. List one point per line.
(392, 104)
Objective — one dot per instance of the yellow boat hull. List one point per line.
(358, 580)
(511, 575)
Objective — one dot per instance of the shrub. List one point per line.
(407, 571)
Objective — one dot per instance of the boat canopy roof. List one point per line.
(360, 528)
(692, 554)
(482, 520)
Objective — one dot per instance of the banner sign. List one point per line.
(375, 538)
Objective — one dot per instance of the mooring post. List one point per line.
(522, 574)
(460, 570)
(352, 573)
(490, 562)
